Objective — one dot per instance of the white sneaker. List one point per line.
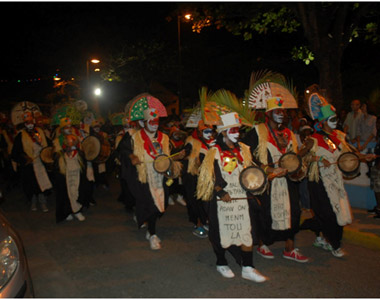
(155, 242)
(338, 252)
(171, 201)
(225, 271)
(69, 218)
(79, 216)
(180, 200)
(44, 207)
(252, 274)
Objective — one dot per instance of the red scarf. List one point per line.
(285, 133)
(322, 143)
(148, 145)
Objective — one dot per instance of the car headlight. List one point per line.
(9, 260)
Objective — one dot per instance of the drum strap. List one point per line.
(279, 145)
(326, 135)
(148, 145)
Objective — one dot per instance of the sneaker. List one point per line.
(295, 255)
(252, 274)
(180, 200)
(206, 227)
(338, 252)
(321, 242)
(79, 216)
(171, 201)
(155, 242)
(265, 252)
(33, 207)
(225, 271)
(200, 232)
(69, 218)
(44, 207)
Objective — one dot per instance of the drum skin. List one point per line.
(349, 164)
(91, 147)
(162, 163)
(253, 180)
(46, 156)
(291, 162)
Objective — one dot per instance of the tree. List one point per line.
(326, 27)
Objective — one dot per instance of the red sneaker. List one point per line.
(265, 252)
(295, 255)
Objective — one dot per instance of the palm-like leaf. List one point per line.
(229, 101)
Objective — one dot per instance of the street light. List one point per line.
(97, 92)
(187, 17)
(94, 61)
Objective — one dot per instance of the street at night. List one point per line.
(107, 256)
(190, 150)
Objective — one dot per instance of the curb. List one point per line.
(364, 239)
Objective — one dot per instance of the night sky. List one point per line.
(39, 37)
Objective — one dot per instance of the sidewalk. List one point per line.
(364, 230)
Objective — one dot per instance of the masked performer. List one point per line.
(280, 211)
(328, 197)
(123, 161)
(70, 175)
(196, 148)
(230, 220)
(26, 153)
(147, 185)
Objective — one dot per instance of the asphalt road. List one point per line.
(106, 256)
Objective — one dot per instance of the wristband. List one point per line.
(265, 169)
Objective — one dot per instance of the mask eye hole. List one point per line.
(207, 131)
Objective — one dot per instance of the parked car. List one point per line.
(15, 280)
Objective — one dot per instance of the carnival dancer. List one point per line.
(100, 169)
(196, 147)
(229, 210)
(149, 187)
(71, 184)
(129, 128)
(328, 196)
(280, 212)
(26, 153)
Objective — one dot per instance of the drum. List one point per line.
(105, 151)
(162, 164)
(91, 147)
(291, 162)
(253, 180)
(349, 164)
(46, 156)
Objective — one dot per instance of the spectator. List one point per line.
(351, 122)
(366, 131)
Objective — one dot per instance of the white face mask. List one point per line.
(332, 121)
(67, 131)
(207, 136)
(141, 123)
(151, 128)
(29, 126)
(233, 136)
(278, 118)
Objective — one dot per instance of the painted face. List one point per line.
(96, 129)
(207, 133)
(67, 130)
(233, 134)
(29, 126)
(278, 116)
(332, 121)
(141, 123)
(152, 125)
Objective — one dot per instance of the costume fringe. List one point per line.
(313, 169)
(194, 162)
(27, 142)
(206, 178)
(261, 151)
(247, 156)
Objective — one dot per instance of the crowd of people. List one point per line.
(237, 182)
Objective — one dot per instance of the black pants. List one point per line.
(324, 214)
